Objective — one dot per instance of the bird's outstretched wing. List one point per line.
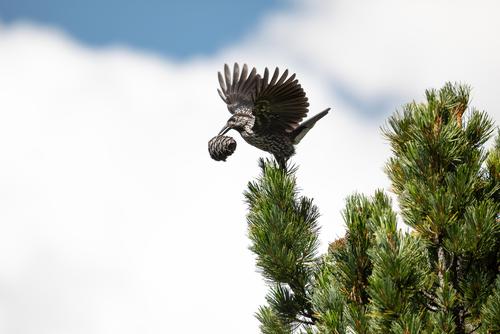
(279, 104)
(237, 90)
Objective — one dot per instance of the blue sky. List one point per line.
(173, 28)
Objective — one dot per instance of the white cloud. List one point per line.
(388, 47)
(113, 217)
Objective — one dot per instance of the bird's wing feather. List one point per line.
(279, 104)
(237, 89)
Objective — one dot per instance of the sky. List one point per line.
(177, 29)
(114, 218)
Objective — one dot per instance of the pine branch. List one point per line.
(438, 174)
(284, 233)
(433, 302)
(475, 329)
(442, 277)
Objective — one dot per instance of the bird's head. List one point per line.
(237, 122)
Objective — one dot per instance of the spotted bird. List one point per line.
(267, 112)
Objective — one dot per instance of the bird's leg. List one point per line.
(281, 162)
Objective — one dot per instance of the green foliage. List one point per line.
(399, 275)
(408, 323)
(351, 264)
(447, 195)
(490, 311)
(436, 168)
(441, 276)
(284, 233)
(271, 323)
(328, 301)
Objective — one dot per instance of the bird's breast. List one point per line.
(272, 143)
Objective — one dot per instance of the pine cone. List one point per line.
(220, 147)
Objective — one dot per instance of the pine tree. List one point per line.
(284, 233)
(441, 276)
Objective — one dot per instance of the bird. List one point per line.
(266, 110)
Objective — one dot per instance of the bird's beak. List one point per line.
(224, 130)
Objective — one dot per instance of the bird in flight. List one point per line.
(266, 110)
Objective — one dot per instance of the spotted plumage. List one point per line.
(266, 110)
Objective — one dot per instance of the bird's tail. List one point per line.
(303, 128)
